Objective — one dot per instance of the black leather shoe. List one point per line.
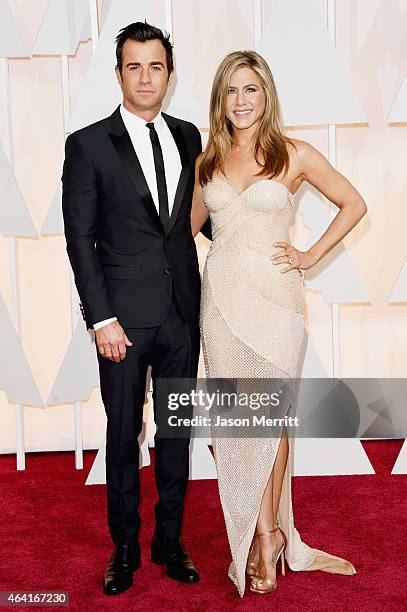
(171, 552)
(119, 574)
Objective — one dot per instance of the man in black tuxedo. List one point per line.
(127, 191)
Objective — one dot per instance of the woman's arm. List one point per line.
(199, 212)
(314, 168)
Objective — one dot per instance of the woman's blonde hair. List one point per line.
(270, 142)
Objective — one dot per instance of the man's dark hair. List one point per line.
(142, 32)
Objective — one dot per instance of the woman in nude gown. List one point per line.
(252, 319)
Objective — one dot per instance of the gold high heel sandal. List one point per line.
(258, 580)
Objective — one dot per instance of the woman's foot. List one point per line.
(253, 558)
(272, 546)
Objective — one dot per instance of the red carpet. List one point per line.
(54, 537)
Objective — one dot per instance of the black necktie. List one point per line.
(160, 174)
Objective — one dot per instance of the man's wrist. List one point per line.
(101, 324)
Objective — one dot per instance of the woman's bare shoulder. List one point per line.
(301, 153)
(300, 149)
(297, 147)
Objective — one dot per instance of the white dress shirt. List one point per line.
(140, 138)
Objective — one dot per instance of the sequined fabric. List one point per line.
(252, 326)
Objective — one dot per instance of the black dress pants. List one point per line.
(172, 350)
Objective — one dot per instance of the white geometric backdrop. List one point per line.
(323, 81)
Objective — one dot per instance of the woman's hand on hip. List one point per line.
(295, 259)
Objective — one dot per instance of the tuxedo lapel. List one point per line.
(124, 147)
(178, 136)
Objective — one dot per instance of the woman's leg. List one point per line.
(266, 547)
(272, 493)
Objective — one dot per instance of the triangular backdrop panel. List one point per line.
(99, 93)
(398, 112)
(97, 473)
(367, 26)
(78, 374)
(106, 4)
(180, 100)
(321, 456)
(11, 42)
(382, 407)
(399, 291)
(335, 275)
(54, 221)
(212, 33)
(201, 461)
(15, 220)
(400, 467)
(65, 24)
(330, 457)
(311, 81)
(312, 366)
(201, 466)
(16, 379)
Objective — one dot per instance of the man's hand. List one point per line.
(112, 341)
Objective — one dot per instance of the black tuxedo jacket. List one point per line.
(124, 262)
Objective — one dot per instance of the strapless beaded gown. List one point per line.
(252, 326)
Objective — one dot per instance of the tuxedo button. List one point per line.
(167, 271)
